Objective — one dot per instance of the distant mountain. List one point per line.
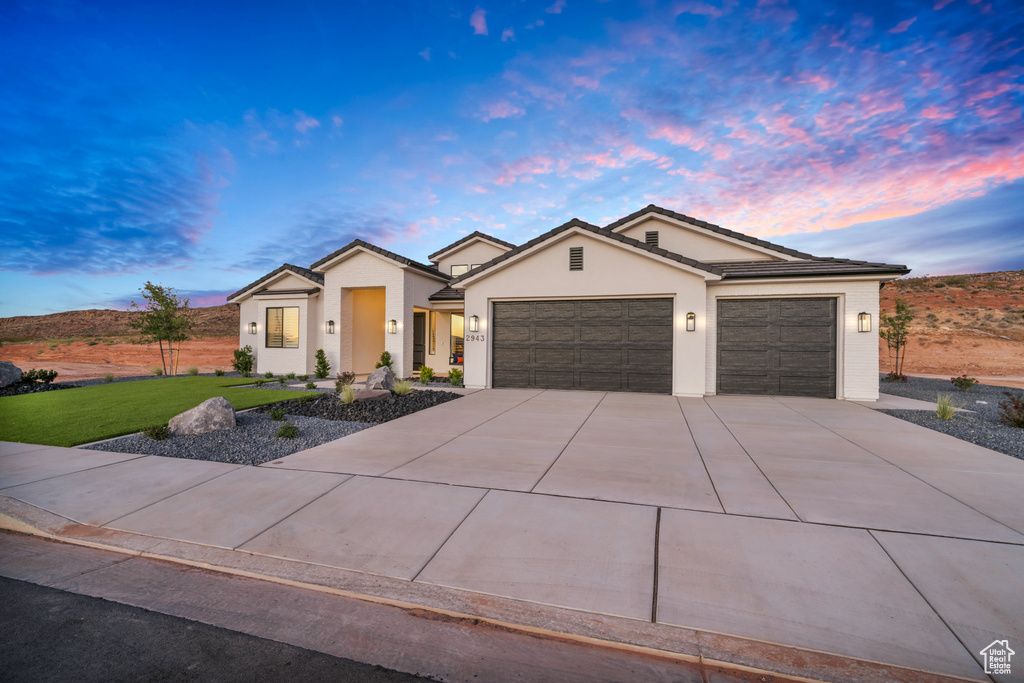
(215, 321)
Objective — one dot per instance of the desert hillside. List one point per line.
(215, 321)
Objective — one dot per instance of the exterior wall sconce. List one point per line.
(392, 326)
(252, 328)
(474, 323)
(691, 322)
(864, 322)
(330, 327)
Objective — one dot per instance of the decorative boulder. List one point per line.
(9, 374)
(209, 416)
(381, 378)
(372, 394)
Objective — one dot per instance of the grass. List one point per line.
(945, 407)
(75, 416)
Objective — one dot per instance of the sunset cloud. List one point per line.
(478, 20)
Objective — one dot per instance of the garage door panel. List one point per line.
(596, 344)
(777, 347)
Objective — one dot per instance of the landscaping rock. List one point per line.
(381, 378)
(372, 394)
(9, 374)
(209, 416)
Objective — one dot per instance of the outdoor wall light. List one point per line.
(330, 327)
(392, 326)
(691, 322)
(252, 328)
(474, 323)
(864, 322)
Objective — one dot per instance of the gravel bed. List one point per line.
(33, 388)
(981, 426)
(253, 441)
(328, 407)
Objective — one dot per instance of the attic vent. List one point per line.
(575, 258)
(651, 237)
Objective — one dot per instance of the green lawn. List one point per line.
(74, 416)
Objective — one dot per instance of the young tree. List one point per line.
(895, 330)
(166, 317)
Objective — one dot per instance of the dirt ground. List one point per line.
(87, 359)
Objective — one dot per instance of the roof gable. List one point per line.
(287, 268)
(360, 245)
(472, 237)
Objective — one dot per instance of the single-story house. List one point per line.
(655, 302)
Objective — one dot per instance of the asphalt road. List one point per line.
(51, 635)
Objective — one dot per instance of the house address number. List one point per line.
(475, 337)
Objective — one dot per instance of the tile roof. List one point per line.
(298, 270)
(383, 252)
(447, 294)
(815, 265)
(711, 227)
(472, 235)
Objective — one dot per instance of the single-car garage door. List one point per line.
(593, 344)
(777, 347)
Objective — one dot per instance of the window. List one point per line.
(575, 258)
(459, 270)
(458, 330)
(651, 237)
(432, 332)
(283, 328)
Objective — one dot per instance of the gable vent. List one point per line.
(575, 258)
(651, 237)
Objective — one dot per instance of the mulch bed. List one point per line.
(330, 407)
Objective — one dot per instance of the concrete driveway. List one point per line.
(809, 523)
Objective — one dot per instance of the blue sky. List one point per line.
(202, 144)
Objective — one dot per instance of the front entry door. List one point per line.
(419, 340)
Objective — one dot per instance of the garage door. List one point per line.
(593, 344)
(777, 347)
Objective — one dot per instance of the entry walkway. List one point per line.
(715, 528)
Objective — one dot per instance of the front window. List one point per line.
(459, 270)
(458, 330)
(283, 327)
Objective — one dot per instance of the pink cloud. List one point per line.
(697, 7)
(660, 128)
(585, 82)
(940, 4)
(604, 160)
(478, 20)
(502, 109)
(425, 54)
(556, 8)
(936, 114)
(902, 26)
(895, 132)
(524, 168)
(305, 123)
(507, 35)
(819, 82)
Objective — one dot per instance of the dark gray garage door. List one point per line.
(594, 344)
(777, 347)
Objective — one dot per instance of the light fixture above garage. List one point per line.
(864, 322)
(330, 327)
(252, 328)
(691, 322)
(474, 323)
(392, 326)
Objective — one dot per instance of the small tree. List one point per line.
(166, 317)
(895, 330)
(244, 361)
(323, 368)
(385, 361)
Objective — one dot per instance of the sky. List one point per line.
(200, 145)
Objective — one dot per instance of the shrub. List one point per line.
(310, 385)
(287, 431)
(385, 360)
(956, 281)
(426, 374)
(963, 382)
(323, 368)
(157, 432)
(290, 375)
(945, 408)
(193, 371)
(277, 414)
(260, 382)
(306, 398)
(218, 372)
(108, 378)
(303, 377)
(348, 394)
(894, 377)
(1011, 409)
(344, 379)
(157, 371)
(92, 343)
(282, 381)
(33, 376)
(244, 360)
(269, 375)
(939, 285)
(401, 387)
(455, 377)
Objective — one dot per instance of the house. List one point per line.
(655, 302)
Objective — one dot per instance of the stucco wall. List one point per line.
(857, 352)
(609, 271)
(475, 253)
(248, 312)
(694, 243)
(367, 328)
(282, 361)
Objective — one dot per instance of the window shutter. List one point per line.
(575, 258)
(651, 237)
